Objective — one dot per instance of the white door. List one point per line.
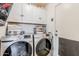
(39, 15)
(15, 13)
(28, 13)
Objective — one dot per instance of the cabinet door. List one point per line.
(39, 15)
(42, 16)
(28, 13)
(15, 13)
(33, 14)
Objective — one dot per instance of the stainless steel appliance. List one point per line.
(43, 45)
(19, 45)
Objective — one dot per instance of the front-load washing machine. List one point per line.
(17, 45)
(43, 45)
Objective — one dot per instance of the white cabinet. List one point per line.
(30, 13)
(39, 15)
(15, 13)
(33, 14)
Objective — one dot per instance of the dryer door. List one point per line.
(43, 47)
(20, 48)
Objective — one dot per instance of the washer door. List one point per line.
(43, 47)
(20, 48)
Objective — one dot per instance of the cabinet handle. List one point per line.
(40, 18)
(22, 15)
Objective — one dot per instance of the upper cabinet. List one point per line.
(27, 13)
(33, 14)
(15, 13)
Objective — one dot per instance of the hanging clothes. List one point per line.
(6, 6)
(4, 10)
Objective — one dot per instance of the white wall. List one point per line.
(50, 14)
(67, 17)
(51, 27)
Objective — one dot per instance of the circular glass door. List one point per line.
(20, 48)
(43, 47)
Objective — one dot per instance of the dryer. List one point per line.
(43, 45)
(19, 45)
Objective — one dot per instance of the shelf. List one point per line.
(13, 22)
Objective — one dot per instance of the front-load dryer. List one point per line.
(42, 45)
(17, 46)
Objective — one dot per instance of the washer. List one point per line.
(17, 45)
(43, 46)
